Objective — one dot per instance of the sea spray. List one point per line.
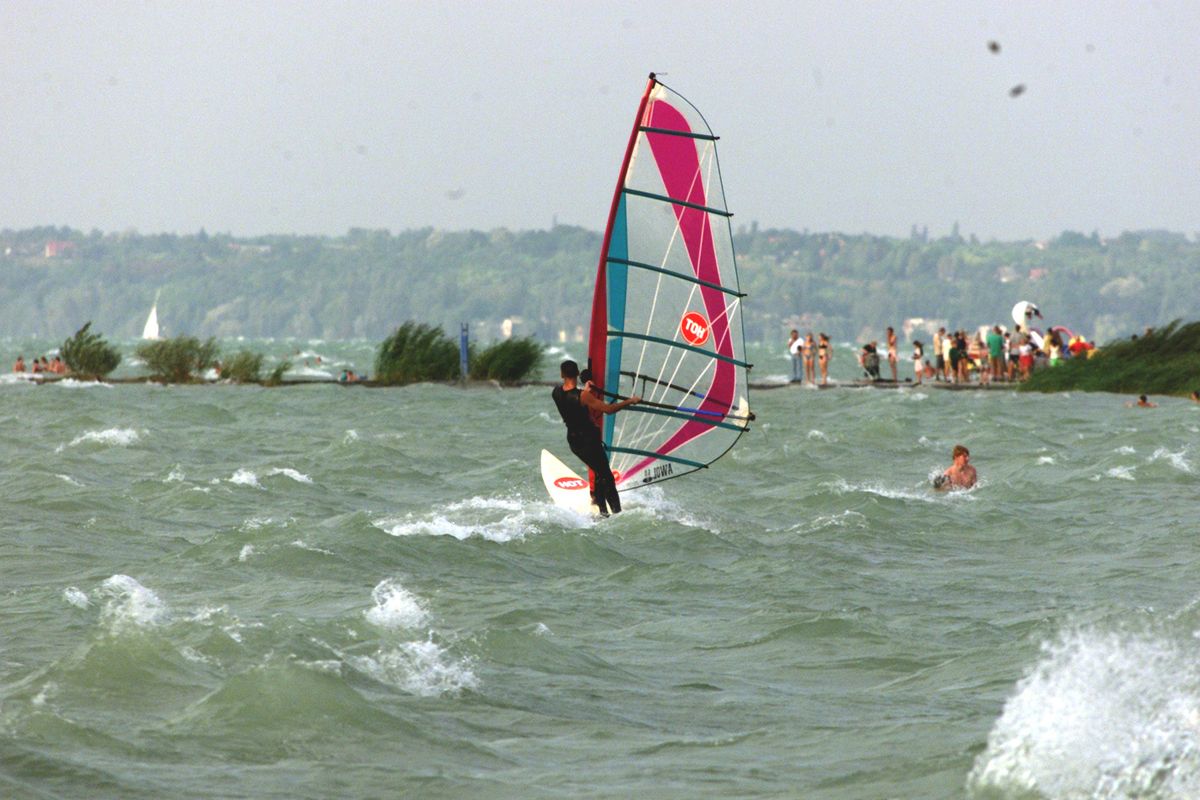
(1103, 715)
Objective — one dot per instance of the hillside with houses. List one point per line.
(366, 282)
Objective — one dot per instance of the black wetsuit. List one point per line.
(583, 437)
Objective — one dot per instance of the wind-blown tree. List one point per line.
(416, 352)
(88, 355)
(245, 367)
(508, 361)
(181, 359)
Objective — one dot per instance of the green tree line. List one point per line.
(365, 283)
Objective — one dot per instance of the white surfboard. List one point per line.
(566, 489)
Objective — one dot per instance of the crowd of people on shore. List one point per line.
(40, 365)
(989, 355)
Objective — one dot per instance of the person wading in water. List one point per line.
(575, 405)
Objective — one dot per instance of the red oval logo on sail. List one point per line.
(570, 483)
(694, 328)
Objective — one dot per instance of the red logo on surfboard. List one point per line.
(567, 482)
(694, 328)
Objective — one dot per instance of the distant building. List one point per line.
(57, 248)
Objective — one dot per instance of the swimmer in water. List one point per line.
(960, 474)
(1142, 402)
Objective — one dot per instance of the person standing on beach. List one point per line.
(892, 356)
(948, 362)
(918, 354)
(794, 345)
(995, 346)
(960, 474)
(809, 352)
(824, 355)
(938, 360)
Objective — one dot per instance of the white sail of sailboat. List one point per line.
(150, 329)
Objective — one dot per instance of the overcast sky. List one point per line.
(305, 117)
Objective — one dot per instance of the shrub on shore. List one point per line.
(416, 352)
(245, 367)
(276, 376)
(1166, 361)
(181, 359)
(507, 361)
(87, 355)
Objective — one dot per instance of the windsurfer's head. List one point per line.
(569, 369)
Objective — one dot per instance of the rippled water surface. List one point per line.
(222, 591)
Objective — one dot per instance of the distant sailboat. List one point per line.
(150, 329)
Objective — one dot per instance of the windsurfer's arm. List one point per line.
(589, 399)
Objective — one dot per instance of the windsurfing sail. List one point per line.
(667, 310)
(150, 329)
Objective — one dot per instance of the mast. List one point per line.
(598, 329)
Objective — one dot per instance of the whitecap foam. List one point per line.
(48, 691)
(130, 604)
(115, 437)
(76, 597)
(288, 472)
(395, 607)
(542, 630)
(245, 477)
(1125, 450)
(842, 519)
(73, 383)
(421, 668)
(351, 436)
(303, 545)
(1120, 473)
(1045, 459)
(1101, 716)
(68, 479)
(246, 551)
(821, 436)
(496, 519)
(174, 476)
(1176, 460)
(894, 493)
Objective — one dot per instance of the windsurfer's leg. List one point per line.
(591, 453)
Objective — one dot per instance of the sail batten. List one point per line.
(689, 278)
(678, 202)
(667, 314)
(689, 134)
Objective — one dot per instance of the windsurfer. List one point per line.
(960, 474)
(583, 436)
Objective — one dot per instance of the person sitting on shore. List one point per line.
(960, 474)
(869, 359)
(19, 366)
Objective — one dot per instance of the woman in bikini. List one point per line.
(893, 356)
(823, 356)
(808, 350)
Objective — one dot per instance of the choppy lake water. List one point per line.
(223, 591)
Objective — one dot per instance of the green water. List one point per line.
(316, 592)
